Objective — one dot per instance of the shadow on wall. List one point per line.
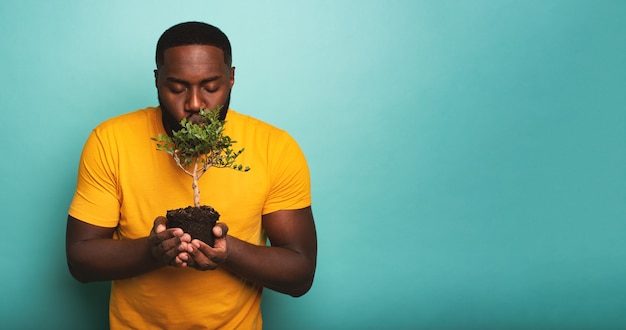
(90, 304)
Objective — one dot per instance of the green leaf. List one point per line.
(202, 142)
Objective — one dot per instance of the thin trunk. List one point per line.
(196, 187)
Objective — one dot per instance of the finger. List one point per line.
(215, 254)
(165, 246)
(182, 260)
(160, 224)
(166, 256)
(199, 258)
(160, 227)
(169, 238)
(188, 260)
(220, 230)
(185, 247)
(185, 237)
(177, 262)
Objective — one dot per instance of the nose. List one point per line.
(194, 101)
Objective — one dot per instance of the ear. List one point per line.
(156, 78)
(232, 76)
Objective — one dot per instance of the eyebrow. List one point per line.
(185, 82)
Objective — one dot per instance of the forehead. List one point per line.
(194, 58)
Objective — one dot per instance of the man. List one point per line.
(163, 278)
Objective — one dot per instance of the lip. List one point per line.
(194, 118)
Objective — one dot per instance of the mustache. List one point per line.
(171, 124)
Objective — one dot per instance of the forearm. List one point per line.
(109, 259)
(277, 268)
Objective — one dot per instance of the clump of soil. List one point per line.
(196, 221)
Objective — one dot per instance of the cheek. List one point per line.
(166, 96)
(212, 100)
(173, 104)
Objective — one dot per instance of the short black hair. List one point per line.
(193, 33)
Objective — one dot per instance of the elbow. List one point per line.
(78, 275)
(295, 286)
(301, 290)
(305, 280)
(79, 266)
(301, 287)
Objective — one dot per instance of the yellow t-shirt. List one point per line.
(125, 182)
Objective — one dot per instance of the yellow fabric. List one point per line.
(124, 182)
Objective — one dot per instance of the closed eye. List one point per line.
(176, 87)
(211, 89)
(177, 90)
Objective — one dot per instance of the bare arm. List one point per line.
(287, 266)
(93, 254)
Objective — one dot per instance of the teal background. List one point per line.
(467, 157)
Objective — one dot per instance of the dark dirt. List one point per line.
(196, 221)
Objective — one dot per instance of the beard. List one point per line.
(171, 124)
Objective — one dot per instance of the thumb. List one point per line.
(220, 230)
(159, 224)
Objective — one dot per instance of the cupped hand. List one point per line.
(168, 246)
(203, 256)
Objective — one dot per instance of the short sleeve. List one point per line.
(290, 186)
(96, 200)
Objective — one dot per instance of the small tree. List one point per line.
(198, 146)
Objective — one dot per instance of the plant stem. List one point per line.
(196, 187)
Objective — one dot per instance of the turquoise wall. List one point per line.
(468, 158)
